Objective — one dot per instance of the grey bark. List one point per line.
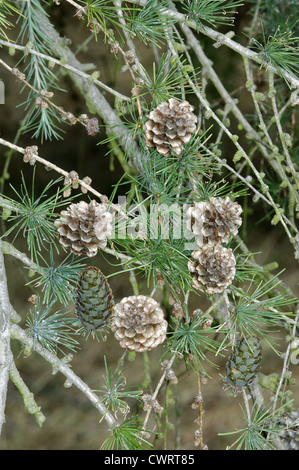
(61, 366)
(5, 351)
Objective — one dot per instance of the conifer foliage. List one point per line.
(149, 166)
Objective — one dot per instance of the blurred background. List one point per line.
(71, 421)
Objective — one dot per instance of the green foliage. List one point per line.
(219, 12)
(127, 436)
(193, 340)
(280, 49)
(259, 307)
(115, 391)
(158, 258)
(53, 331)
(260, 430)
(7, 8)
(171, 179)
(207, 188)
(42, 122)
(150, 23)
(58, 281)
(276, 13)
(33, 216)
(164, 81)
(102, 14)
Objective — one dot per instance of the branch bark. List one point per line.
(61, 366)
(225, 39)
(29, 401)
(92, 95)
(5, 351)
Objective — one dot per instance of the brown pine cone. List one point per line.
(170, 126)
(83, 228)
(213, 268)
(213, 222)
(138, 323)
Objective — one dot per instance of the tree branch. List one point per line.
(28, 397)
(60, 171)
(93, 97)
(194, 43)
(5, 351)
(18, 333)
(225, 39)
(67, 67)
